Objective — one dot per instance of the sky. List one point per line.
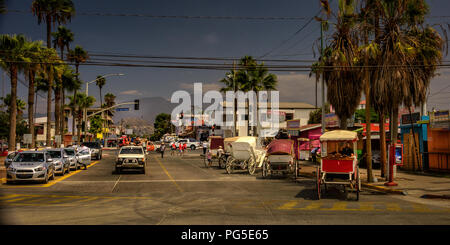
(197, 38)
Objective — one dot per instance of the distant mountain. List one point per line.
(139, 126)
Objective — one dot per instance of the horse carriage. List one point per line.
(216, 148)
(280, 158)
(340, 168)
(245, 153)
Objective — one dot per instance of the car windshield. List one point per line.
(70, 152)
(131, 151)
(91, 144)
(55, 154)
(29, 157)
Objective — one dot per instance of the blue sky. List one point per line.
(200, 38)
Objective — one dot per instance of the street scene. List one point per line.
(176, 113)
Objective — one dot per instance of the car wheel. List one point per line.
(143, 171)
(68, 169)
(63, 172)
(45, 181)
(117, 170)
(192, 147)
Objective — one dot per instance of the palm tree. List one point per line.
(101, 81)
(20, 104)
(70, 84)
(32, 68)
(52, 71)
(77, 56)
(62, 39)
(340, 59)
(259, 79)
(52, 11)
(109, 102)
(78, 103)
(12, 59)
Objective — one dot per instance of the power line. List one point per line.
(268, 18)
(292, 36)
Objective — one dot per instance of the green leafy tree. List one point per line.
(96, 125)
(162, 126)
(316, 115)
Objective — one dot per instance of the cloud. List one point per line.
(131, 92)
(205, 87)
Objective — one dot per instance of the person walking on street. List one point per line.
(173, 148)
(163, 147)
(205, 147)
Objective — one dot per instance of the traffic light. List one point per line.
(136, 105)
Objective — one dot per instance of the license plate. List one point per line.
(131, 161)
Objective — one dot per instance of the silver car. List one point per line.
(9, 158)
(72, 158)
(31, 165)
(84, 156)
(60, 159)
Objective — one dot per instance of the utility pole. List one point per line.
(235, 100)
(323, 83)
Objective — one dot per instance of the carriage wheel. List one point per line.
(318, 182)
(251, 166)
(229, 165)
(265, 169)
(296, 169)
(222, 162)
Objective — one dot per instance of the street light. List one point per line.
(87, 93)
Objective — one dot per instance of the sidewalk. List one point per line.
(412, 184)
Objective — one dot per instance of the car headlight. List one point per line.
(58, 163)
(11, 169)
(38, 169)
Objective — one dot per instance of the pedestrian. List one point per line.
(173, 148)
(205, 147)
(163, 147)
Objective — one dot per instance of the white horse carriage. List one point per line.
(246, 152)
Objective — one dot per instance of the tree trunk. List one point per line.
(57, 112)
(63, 114)
(317, 82)
(30, 107)
(79, 127)
(383, 145)
(343, 123)
(49, 31)
(13, 109)
(74, 114)
(49, 106)
(394, 124)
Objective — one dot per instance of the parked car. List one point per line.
(72, 158)
(31, 165)
(190, 143)
(60, 159)
(131, 157)
(9, 158)
(96, 149)
(84, 156)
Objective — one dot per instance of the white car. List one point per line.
(190, 143)
(131, 157)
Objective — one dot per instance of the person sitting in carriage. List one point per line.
(347, 150)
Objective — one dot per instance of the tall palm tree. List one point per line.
(77, 56)
(78, 103)
(259, 79)
(13, 59)
(51, 12)
(32, 68)
(62, 39)
(340, 59)
(70, 84)
(233, 82)
(101, 81)
(109, 102)
(52, 60)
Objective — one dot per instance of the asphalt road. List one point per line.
(183, 191)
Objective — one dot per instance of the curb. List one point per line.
(432, 196)
(385, 189)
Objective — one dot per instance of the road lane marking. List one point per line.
(289, 205)
(52, 182)
(168, 175)
(116, 183)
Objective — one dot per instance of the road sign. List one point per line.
(122, 109)
(27, 138)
